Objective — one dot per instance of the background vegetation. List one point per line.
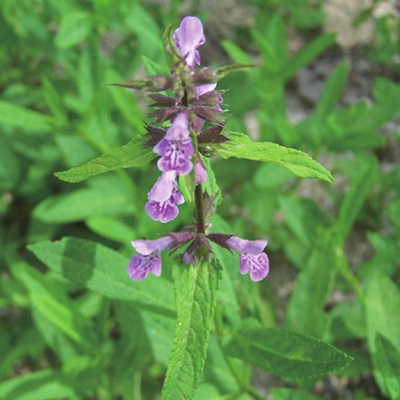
(333, 248)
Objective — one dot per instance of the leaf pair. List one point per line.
(135, 154)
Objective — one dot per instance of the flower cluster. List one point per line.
(195, 102)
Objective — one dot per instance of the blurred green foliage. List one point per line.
(67, 331)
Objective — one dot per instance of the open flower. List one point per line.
(252, 257)
(188, 37)
(163, 198)
(149, 257)
(176, 149)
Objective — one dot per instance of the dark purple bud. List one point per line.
(220, 239)
(161, 100)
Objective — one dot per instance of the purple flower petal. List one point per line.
(201, 172)
(188, 37)
(164, 212)
(140, 266)
(258, 265)
(146, 247)
(163, 188)
(247, 246)
(179, 129)
(176, 149)
(205, 88)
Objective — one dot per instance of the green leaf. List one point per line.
(388, 361)
(20, 117)
(305, 312)
(241, 146)
(196, 295)
(126, 103)
(383, 318)
(308, 53)
(332, 91)
(103, 270)
(81, 204)
(355, 197)
(75, 27)
(40, 385)
(133, 154)
(49, 299)
(284, 353)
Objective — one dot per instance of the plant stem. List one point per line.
(199, 210)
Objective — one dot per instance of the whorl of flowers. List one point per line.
(193, 102)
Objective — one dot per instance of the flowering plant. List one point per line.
(189, 127)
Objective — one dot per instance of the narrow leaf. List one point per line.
(20, 117)
(355, 197)
(383, 318)
(75, 27)
(388, 361)
(48, 298)
(39, 385)
(305, 311)
(241, 146)
(332, 91)
(133, 154)
(308, 53)
(196, 295)
(284, 353)
(103, 270)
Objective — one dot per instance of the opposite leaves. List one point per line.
(299, 163)
(285, 354)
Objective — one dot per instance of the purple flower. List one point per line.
(201, 172)
(163, 198)
(188, 37)
(176, 149)
(252, 257)
(149, 257)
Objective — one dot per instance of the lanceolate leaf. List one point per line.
(284, 353)
(383, 321)
(103, 270)
(388, 361)
(196, 294)
(20, 117)
(133, 154)
(241, 146)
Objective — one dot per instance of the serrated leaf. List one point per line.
(284, 353)
(103, 270)
(20, 117)
(133, 154)
(196, 295)
(241, 146)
